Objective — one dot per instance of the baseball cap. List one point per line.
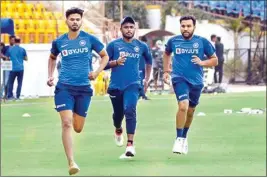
(127, 19)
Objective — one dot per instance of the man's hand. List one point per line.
(196, 60)
(121, 60)
(166, 78)
(145, 81)
(50, 81)
(92, 75)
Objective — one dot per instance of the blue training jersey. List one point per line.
(76, 57)
(17, 55)
(127, 74)
(183, 50)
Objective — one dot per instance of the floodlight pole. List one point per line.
(121, 10)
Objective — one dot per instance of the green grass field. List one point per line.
(219, 144)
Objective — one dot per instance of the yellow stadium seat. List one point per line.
(40, 26)
(39, 7)
(27, 15)
(11, 7)
(30, 25)
(7, 14)
(20, 7)
(3, 6)
(58, 15)
(48, 15)
(28, 7)
(19, 25)
(16, 15)
(37, 15)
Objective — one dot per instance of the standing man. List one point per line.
(4, 87)
(142, 73)
(17, 55)
(213, 39)
(73, 91)
(219, 53)
(187, 75)
(124, 56)
(157, 54)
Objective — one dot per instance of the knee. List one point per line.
(130, 112)
(66, 124)
(183, 106)
(190, 112)
(78, 130)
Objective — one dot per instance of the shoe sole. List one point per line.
(129, 154)
(73, 171)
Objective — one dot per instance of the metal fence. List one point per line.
(245, 65)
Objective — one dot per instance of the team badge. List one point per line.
(82, 42)
(195, 45)
(136, 49)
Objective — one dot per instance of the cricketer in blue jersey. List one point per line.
(187, 75)
(73, 91)
(124, 56)
(142, 73)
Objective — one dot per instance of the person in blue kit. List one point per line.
(124, 56)
(142, 73)
(17, 55)
(187, 75)
(73, 91)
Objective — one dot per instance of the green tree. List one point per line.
(136, 9)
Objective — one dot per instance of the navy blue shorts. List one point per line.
(75, 98)
(185, 90)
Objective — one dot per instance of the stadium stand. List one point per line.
(247, 9)
(33, 22)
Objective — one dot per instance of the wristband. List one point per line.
(117, 62)
(167, 72)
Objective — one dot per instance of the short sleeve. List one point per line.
(96, 44)
(147, 54)
(24, 53)
(110, 51)
(209, 50)
(168, 47)
(54, 50)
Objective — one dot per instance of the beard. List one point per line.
(188, 36)
(128, 36)
(74, 28)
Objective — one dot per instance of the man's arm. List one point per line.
(210, 62)
(103, 62)
(51, 69)
(166, 62)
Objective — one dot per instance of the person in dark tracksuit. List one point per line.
(124, 88)
(219, 68)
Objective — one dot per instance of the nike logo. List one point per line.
(62, 46)
(120, 48)
(112, 96)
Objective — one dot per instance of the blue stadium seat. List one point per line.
(197, 3)
(214, 5)
(222, 5)
(205, 3)
(262, 15)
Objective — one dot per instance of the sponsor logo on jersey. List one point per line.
(74, 51)
(127, 54)
(186, 51)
